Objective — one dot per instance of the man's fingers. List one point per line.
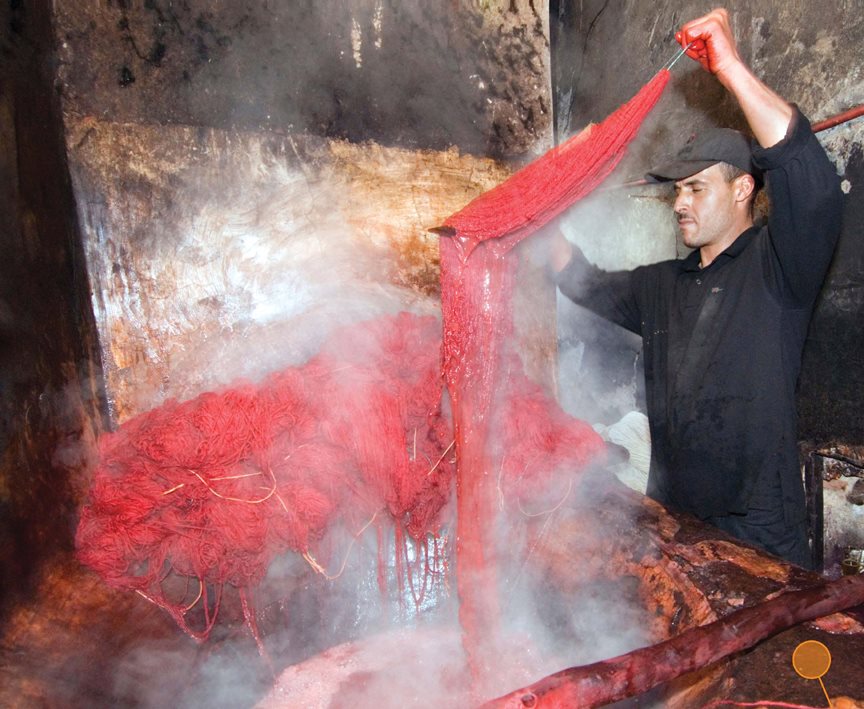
(698, 50)
(713, 43)
(562, 252)
(695, 36)
(698, 32)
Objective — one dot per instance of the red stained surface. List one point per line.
(193, 495)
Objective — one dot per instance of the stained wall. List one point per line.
(50, 376)
(248, 176)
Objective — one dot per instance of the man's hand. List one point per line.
(560, 252)
(713, 43)
(549, 250)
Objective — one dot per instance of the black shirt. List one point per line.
(723, 344)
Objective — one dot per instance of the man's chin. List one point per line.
(688, 235)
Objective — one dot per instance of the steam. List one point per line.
(600, 365)
(258, 275)
(259, 256)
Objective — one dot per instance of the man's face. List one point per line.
(705, 208)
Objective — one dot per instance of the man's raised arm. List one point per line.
(714, 48)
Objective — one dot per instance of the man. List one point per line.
(723, 329)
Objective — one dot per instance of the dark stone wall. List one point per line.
(401, 73)
(831, 393)
(49, 373)
(166, 103)
(604, 50)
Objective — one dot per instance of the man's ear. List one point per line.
(745, 185)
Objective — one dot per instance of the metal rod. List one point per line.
(680, 53)
(839, 118)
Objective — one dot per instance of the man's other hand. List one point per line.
(560, 252)
(549, 250)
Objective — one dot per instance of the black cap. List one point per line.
(709, 148)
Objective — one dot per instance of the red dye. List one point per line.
(212, 489)
(475, 302)
(543, 189)
(539, 441)
(533, 437)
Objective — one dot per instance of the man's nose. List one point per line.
(682, 202)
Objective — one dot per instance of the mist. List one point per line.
(241, 251)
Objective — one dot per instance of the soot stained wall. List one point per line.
(831, 394)
(401, 73)
(50, 389)
(175, 109)
(604, 50)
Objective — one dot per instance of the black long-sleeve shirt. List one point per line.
(723, 344)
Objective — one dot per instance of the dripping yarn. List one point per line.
(212, 489)
(477, 281)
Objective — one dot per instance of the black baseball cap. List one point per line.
(707, 149)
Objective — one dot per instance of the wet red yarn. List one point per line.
(544, 188)
(528, 436)
(213, 488)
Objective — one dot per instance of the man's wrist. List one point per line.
(735, 76)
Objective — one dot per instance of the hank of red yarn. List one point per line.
(544, 188)
(477, 279)
(213, 489)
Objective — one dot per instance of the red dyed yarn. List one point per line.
(541, 441)
(358, 431)
(476, 306)
(213, 488)
(544, 188)
(476, 301)
(388, 414)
